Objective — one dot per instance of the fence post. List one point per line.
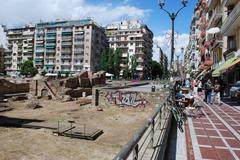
(152, 133)
(160, 119)
(135, 153)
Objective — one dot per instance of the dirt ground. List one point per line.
(118, 125)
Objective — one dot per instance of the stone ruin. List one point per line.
(68, 88)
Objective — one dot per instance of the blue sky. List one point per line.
(18, 12)
(158, 20)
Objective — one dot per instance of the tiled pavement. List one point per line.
(214, 135)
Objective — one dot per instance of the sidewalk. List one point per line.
(214, 135)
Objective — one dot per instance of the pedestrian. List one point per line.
(222, 88)
(199, 87)
(216, 90)
(208, 91)
(187, 83)
(195, 87)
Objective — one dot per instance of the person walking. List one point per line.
(195, 87)
(199, 87)
(208, 91)
(216, 94)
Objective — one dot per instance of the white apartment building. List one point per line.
(68, 46)
(20, 48)
(134, 39)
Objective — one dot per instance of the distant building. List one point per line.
(134, 39)
(71, 46)
(20, 48)
(1, 59)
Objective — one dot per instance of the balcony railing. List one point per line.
(228, 23)
(216, 15)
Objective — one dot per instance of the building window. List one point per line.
(131, 44)
(87, 40)
(130, 50)
(86, 61)
(87, 47)
(87, 33)
(87, 27)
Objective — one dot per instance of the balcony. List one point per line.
(139, 68)
(124, 55)
(7, 62)
(232, 21)
(8, 57)
(50, 57)
(65, 64)
(123, 65)
(140, 60)
(50, 50)
(66, 50)
(216, 16)
(66, 57)
(66, 43)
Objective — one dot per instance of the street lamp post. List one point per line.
(173, 17)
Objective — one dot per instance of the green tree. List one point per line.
(156, 70)
(117, 61)
(104, 60)
(110, 61)
(126, 73)
(133, 64)
(28, 69)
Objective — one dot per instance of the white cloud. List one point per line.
(163, 41)
(15, 13)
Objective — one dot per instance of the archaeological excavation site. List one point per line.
(80, 117)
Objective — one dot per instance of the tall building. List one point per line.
(215, 40)
(1, 59)
(71, 46)
(20, 48)
(192, 56)
(135, 40)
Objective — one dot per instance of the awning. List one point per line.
(222, 68)
(203, 73)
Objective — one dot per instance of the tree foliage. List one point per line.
(110, 61)
(28, 69)
(156, 70)
(133, 66)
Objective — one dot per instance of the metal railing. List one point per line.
(151, 140)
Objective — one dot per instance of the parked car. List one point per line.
(234, 90)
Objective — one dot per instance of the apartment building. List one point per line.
(215, 41)
(71, 46)
(192, 56)
(230, 29)
(1, 59)
(20, 48)
(135, 40)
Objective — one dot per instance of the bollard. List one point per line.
(153, 88)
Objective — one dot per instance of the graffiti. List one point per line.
(129, 99)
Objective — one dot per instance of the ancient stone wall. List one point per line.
(109, 97)
(7, 87)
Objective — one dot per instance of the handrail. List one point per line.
(133, 142)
